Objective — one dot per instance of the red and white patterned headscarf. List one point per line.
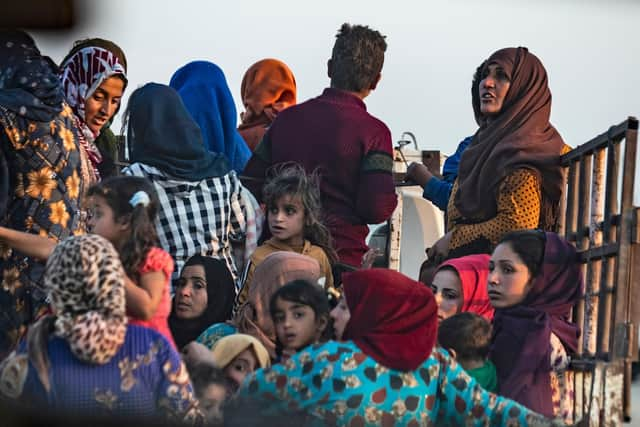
(84, 72)
(81, 74)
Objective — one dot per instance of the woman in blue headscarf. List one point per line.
(204, 91)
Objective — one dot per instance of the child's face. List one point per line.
(447, 290)
(191, 297)
(211, 400)
(102, 221)
(340, 315)
(286, 220)
(296, 325)
(238, 369)
(509, 278)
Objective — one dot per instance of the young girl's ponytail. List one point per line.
(133, 200)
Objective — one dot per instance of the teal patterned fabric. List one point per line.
(337, 384)
(215, 332)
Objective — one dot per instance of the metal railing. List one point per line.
(598, 216)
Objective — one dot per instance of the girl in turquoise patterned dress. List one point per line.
(386, 371)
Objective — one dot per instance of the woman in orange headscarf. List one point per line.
(268, 87)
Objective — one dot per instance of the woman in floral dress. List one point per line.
(40, 175)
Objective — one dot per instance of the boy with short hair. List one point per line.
(467, 336)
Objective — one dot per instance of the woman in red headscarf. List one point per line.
(386, 371)
(510, 176)
(460, 285)
(268, 87)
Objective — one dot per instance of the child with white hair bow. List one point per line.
(122, 210)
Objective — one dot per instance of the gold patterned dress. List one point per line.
(43, 163)
(519, 202)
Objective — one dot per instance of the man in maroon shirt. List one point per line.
(334, 135)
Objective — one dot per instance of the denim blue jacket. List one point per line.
(438, 190)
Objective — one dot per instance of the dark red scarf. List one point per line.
(393, 318)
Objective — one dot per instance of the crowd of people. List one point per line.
(223, 278)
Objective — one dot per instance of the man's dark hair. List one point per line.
(357, 57)
(468, 334)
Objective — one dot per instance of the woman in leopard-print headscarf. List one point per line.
(86, 358)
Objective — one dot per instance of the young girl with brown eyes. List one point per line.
(294, 217)
(300, 313)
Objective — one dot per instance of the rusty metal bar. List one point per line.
(578, 400)
(610, 229)
(605, 319)
(611, 201)
(606, 250)
(625, 315)
(634, 279)
(598, 192)
(623, 304)
(613, 382)
(562, 220)
(616, 132)
(590, 313)
(571, 222)
(579, 319)
(584, 194)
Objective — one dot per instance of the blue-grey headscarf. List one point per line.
(162, 134)
(29, 84)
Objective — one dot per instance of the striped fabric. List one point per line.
(197, 217)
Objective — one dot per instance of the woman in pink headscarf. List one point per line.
(460, 285)
(268, 87)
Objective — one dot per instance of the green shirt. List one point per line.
(486, 376)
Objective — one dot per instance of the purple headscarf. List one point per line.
(521, 347)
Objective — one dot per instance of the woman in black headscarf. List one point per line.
(204, 295)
